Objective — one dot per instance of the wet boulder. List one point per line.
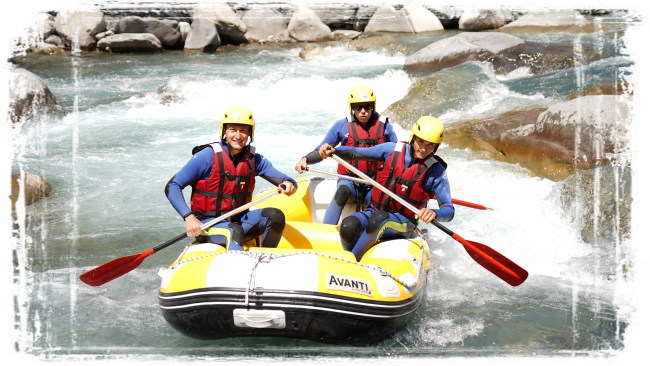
(203, 36)
(429, 95)
(598, 204)
(555, 142)
(389, 19)
(30, 187)
(363, 16)
(482, 19)
(549, 20)
(54, 40)
(265, 24)
(305, 26)
(184, 28)
(130, 42)
(458, 49)
(407, 19)
(594, 128)
(504, 52)
(615, 88)
(78, 27)
(484, 135)
(29, 96)
(229, 25)
(337, 16)
(422, 19)
(166, 30)
(448, 15)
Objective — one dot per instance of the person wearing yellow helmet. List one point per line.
(222, 176)
(363, 127)
(429, 129)
(412, 171)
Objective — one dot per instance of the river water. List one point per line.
(109, 154)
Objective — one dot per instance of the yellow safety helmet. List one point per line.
(427, 128)
(240, 116)
(362, 94)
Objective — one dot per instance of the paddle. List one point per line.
(487, 257)
(120, 266)
(358, 180)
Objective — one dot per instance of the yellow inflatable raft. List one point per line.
(308, 287)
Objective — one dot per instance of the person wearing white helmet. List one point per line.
(413, 172)
(222, 176)
(363, 127)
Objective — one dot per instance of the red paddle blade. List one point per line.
(114, 269)
(494, 262)
(469, 204)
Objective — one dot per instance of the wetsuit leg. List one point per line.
(382, 225)
(344, 190)
(352, 226)
(268, 222)
(228, 234)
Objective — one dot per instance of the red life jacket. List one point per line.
(359, 137)
(405, 182)
(228, 186)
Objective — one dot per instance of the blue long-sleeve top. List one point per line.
(200, 167)
(338, 134)
(435, 179)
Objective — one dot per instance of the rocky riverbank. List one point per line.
(206, 26)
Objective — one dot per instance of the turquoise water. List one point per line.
(109, 154)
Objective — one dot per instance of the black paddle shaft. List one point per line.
(169, 242)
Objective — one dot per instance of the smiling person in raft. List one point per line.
(413, 172)
(222, 175)
(363, 127)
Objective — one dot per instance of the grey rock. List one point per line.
(229, 25)
(460, 48)
(78, 27)
(130, 42)
(422, 20)
(185, 29)
(549, 20)
(482, 19)
(29, 96)
(389, 19)
(166, 30)
(30, 187)
(203, 36)
(265, 24)
(594, 127)
(305, 26)
(598, 204)
(55, 40)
